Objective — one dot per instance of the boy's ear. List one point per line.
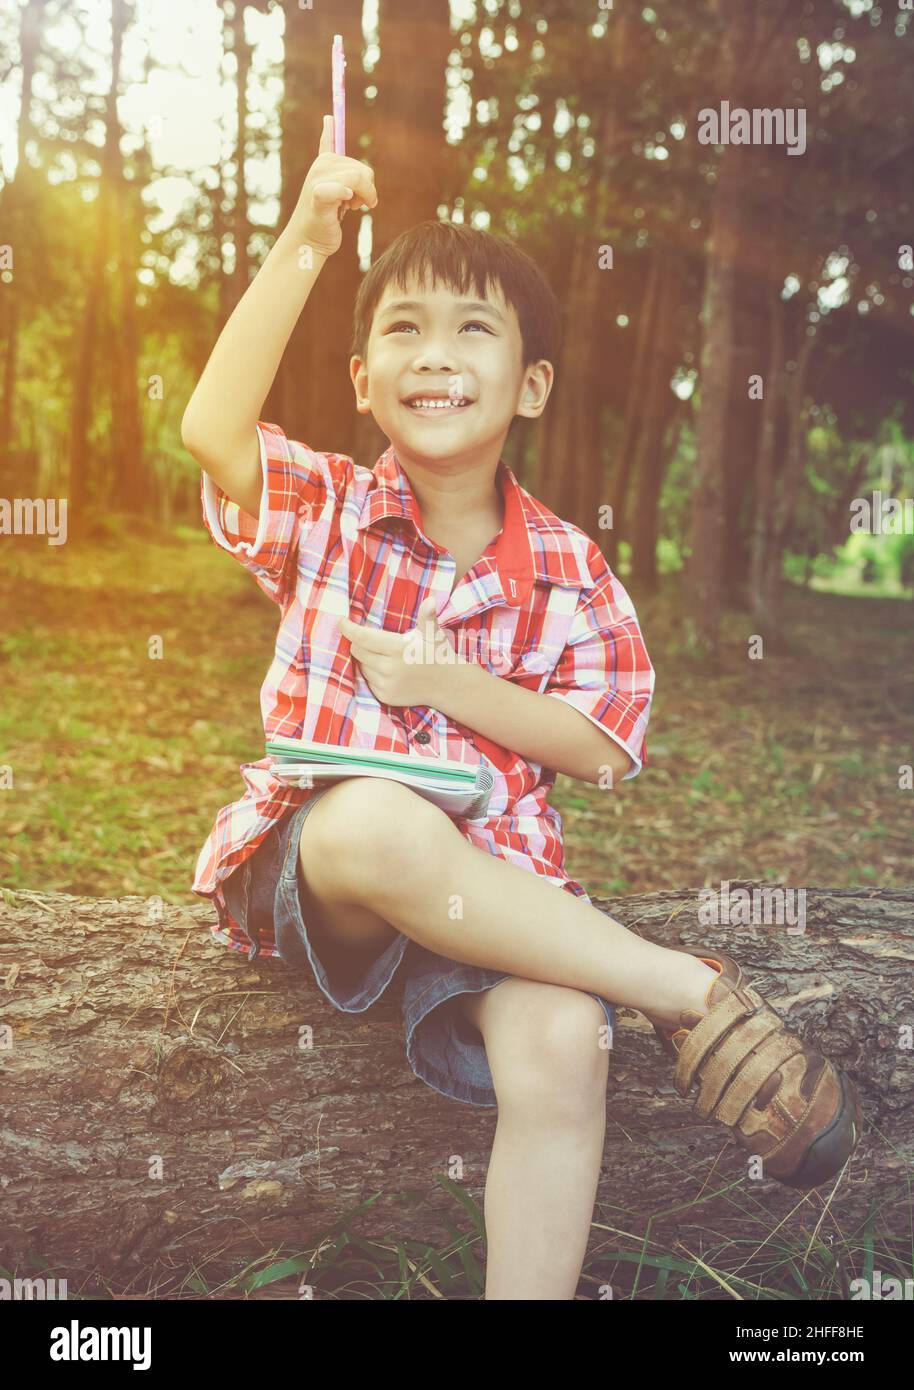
(359, 377)
(537, 387)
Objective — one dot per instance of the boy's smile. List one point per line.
(443, 374)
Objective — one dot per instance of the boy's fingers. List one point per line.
(326, 193)
(371, 639)
(326, 144)
(379, 643)
(357, 177)
(363, 184)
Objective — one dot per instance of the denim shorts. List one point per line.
(442, 1047)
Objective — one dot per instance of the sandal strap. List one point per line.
(732, 1054)
(741, 1002)
(747, 1083)
(793, 1147)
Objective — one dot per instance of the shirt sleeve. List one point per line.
(296, 485)
(605, 671)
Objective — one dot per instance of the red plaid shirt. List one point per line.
(540, 607)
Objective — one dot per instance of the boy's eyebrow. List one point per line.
(465, 306)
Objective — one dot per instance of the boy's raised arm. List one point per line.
(219, 424)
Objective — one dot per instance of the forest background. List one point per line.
(736, 373)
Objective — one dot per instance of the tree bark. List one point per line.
(645, 527)
(129, 1038)
(649, 333)
(648, 460)
(83, 372)
(573, 482)
(98, 314)
(764, 463)
(241, 274)
(16, 214)
(784, 519)
(131, 483)
(707, 515)
(401, 136)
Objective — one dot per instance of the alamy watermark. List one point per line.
(32, 1288)
(34, 516)
(491, 649)
(81, 1343)
(760, 907)
(881, 1287)
(779, 125)
(883, 516)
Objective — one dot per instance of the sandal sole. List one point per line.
(830, 1149)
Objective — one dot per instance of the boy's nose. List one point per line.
(432, 359)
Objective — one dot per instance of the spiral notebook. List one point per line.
(461, 789)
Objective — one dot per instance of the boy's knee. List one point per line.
(548, 1052)
(368, 827)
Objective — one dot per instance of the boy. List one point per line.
(386, 579)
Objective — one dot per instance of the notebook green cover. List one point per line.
(446, 771)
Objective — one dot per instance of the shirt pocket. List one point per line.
(526, 646)
(534, 666)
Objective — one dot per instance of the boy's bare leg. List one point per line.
(374, 855)
(549, 1074)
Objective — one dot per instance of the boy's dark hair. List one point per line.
(461, 257)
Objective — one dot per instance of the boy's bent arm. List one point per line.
(219, 424)
(532, 724)
(592, 714)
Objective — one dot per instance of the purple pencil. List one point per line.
(338, 65)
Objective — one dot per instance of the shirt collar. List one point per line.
(525, 548)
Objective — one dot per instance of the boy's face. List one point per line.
(436, 343)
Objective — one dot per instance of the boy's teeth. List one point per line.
(438, 405)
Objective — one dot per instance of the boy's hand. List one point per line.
(411, 668)
(334, 181)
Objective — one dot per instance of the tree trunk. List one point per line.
(241, 276)
(707, 511)
(645, 527)
(785, 512)
(764, 464)
(648, 331)
(167, 1105)
(407, 148)
(743, 420)
(575, 479)
(16, 215)
(707, 514)
(131, 485)
(571, 458)
(656, 410)
(836, 527)
(83, 397)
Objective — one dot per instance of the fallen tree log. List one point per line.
(161, 1107)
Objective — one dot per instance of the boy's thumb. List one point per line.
(428, 611)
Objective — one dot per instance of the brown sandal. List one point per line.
(784, 1100)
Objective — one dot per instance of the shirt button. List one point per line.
(423, 736)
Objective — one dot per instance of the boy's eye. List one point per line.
(399, 327)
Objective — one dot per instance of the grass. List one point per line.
(786, 769)
(806, 1257)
